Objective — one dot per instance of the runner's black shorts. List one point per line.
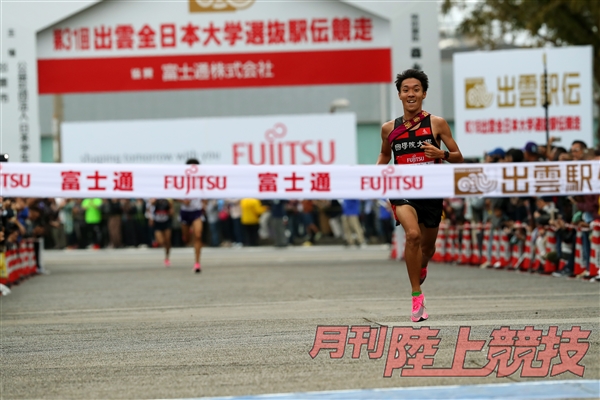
(163, 226)
(429, 211)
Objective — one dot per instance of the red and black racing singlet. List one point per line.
(406, 147)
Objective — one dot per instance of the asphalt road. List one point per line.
(117, 324)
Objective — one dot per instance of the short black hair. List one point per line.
(413, 73)
(192, 161)
(581, 143)
(559, 150)
(516, 154)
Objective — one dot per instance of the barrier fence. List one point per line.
(519, 248)
(20, 261)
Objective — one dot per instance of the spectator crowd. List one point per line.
(116, 223)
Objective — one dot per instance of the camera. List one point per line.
(4, 157)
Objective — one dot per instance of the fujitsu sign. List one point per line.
(278, 151)
(320, 139)
(131, 46)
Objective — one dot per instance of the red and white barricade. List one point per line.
(516, 249)
(440, 244)
(495, 247)
(550, 266)
(476, 249)
(595, 249)
(503, 251)
(19, 262)
(530, 255)
(466, 248)
(579, 267)
(3, 269)
(394, 249)
(485, 250)
(450, 244)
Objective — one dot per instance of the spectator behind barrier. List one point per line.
(531, 152)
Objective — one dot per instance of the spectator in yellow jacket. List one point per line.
(251, 210)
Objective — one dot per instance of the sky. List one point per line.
(39, 14)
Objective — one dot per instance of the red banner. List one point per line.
(89, 75)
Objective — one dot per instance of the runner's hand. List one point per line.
(431, 151)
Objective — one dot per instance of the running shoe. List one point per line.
(423, 274)
(419, 313)
(197, 268)
(167, 263)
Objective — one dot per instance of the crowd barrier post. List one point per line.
(503, 251)
(495, 248)
(485, 246)
(449, 255)
(595, 249)
(579, 267)
(440, 244)
(3, 268)
(394, 249)
(516, 250)
(466, 247)
(550, 266)
(476, 248)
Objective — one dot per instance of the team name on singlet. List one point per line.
(407, 147)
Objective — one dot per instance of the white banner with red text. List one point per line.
(298, 182)
(499, 98)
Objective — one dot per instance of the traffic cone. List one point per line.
(3, 269)
(595, 249)
(466, 248)
(485, 249)
(503, 251)
(394, 250)
(495, 247)
(526, 259)
(579, 268)
(440, 243)
(449, 256)
(549, 265)
(12, 264)
(475, 247)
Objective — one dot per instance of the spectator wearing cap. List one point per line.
(495, 155)
(531, 152)
(578, 149)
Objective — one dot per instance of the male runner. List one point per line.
(191, 214)
(415, 138)
(161, 211)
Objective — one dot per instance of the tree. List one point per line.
(558, 22)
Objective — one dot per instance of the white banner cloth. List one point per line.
(299, 182)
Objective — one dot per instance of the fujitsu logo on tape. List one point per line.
(9, 180)
(388, 182)
(192, 182)
(218, 5)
